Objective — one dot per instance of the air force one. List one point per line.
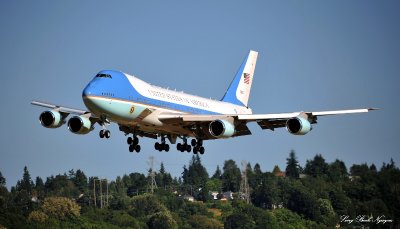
(144, 110)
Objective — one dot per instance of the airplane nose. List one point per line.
(87, 91)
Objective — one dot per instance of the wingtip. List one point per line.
(373, 109)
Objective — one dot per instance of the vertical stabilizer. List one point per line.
(239, 91)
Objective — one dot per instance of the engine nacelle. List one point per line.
(79, 125)
(298, 126)
(51, 119)
(221, 129)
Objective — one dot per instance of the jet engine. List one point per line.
(51, 119)
(80, 125)
(221, 129)
(298, 126)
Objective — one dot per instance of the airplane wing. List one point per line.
(265, 121)
(62, 109)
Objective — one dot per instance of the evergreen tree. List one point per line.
(26, 183)
(185, 175)
(39, 187)
(162, 169)
(292, 166)
(196, 173)
(2, 180)
(231, 176)
(80, 180)
(217, 174)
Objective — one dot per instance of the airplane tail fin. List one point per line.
(239, 90)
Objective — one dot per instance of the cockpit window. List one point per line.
(104, 76)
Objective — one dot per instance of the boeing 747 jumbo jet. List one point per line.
(144, 110)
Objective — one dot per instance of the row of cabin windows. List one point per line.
(107, 94)
(104, 76)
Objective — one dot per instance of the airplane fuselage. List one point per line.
(127, 100)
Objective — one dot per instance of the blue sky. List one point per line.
(313, 55)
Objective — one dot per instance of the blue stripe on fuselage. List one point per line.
(119, 87)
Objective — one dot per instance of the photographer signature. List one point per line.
(365, 219)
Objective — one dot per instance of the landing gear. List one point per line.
(104, 133)
(198, 146)
(162, 146)
(184, 147)
(133, 144)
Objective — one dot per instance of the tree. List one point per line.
(3, 192)
(254, 177)
(231, 176)
(39, 187)
(266, 194)
(26, 183)
(80, 180)
(239, 220)
(163, 178)
(37, 216)
(145, 205)
(60, 208)
(302, 201)
(276, 171)
(2, 180)
(292, 166)
(214, 184)
(337, 171)
(217, 174)
(204, 222)
(316, 167)
(162, 220)
(196, 173)
(162, 169)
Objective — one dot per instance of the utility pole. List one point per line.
(94, 191)
(101, 193)
(244, 192)
(152, 174)
(107, 191)
(103, 201)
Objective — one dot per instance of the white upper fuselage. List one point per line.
(126, 99)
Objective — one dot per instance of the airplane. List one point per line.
(144, 110)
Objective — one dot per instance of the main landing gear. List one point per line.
(184, 146)
(133, 144)
(104, 133)
(161, 146)
(197, 146)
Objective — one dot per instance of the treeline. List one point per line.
(318, 195)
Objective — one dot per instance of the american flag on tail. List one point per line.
(246, 77)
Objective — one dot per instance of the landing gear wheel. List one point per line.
(166, 147)
(157, 146)
(135, 141)
(193, 142)
(188, 148)
(179, 146)
(107, 134)
(131, 148)
(137, 148)
(129, 140)
(195, 150)
(202, 150)
(101, 133)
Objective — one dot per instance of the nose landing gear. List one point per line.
(104, 133)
